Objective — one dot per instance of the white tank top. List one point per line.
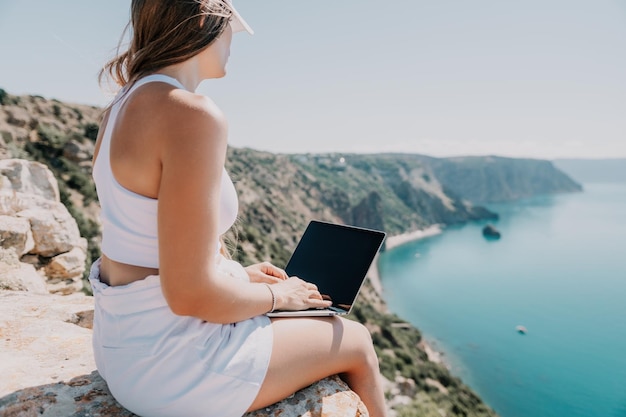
(129, 220)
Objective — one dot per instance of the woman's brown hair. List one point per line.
(166, 32)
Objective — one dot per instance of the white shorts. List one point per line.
(159, 364)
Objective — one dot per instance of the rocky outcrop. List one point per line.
(48, 369)
(329, 397)
(38, 235)
(490, 232)
(88, 395)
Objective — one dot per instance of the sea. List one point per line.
(559, 270)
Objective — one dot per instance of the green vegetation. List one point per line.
(7, 99)
(91, 129)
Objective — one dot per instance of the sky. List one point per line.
(533, 78)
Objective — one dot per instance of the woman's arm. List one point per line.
(192, 146)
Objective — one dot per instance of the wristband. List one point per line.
(273, 298)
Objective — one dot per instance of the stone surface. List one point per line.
(19, 276)
(39, 229)
(28, 177)
(329, 397)
(67, 265)
(38, 342)
(47, 366)
(15, 234)
(84, 395)
(88, 395)
(54, 230)
(64, 272)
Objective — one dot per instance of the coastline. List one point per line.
(397, 240)
(434, 355)
(394, 241)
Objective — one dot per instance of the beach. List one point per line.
(374, 275)
(397, 240)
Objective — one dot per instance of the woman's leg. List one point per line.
(309, 349)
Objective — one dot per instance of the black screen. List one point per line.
(335, 258)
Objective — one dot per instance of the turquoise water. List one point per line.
(559, 270)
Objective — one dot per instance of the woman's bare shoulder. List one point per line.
(196, 108)
(178, 117)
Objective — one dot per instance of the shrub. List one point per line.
(79, 114)
(52, 137)
(91, 131)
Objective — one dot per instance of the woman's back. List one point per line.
(127, 172)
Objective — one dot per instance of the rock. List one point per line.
(28, 190)
(65, 271)
(329, 397)
(15, 234)
(67, 265)
(28, 177)
(48, 370)
(490, 232)
(83, 395)
(88, 395)
(37, 226)
(54, 230)
(19, 276)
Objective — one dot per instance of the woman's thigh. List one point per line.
(307, 349)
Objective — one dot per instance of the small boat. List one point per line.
(521, 329)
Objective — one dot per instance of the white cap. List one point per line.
(237, 23)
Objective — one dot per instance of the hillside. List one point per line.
(280, 193)
(491, 179)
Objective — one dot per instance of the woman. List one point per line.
(179, 330)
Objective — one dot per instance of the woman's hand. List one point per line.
(265, 272)
(296, 294)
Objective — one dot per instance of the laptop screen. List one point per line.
(336, 258)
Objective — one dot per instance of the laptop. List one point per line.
(336, 258)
